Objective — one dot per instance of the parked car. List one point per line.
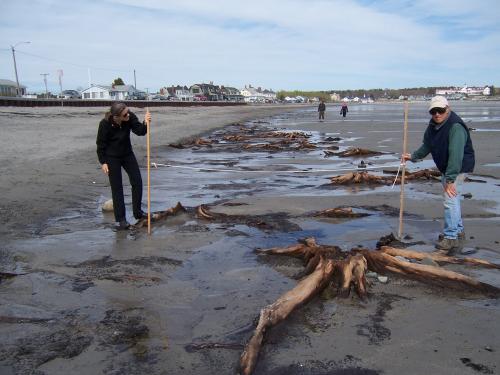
(138, 95)
(199, 98)
(70, 94)
(160, 97)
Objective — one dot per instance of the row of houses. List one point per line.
(201, 91)
(465, 91)
(197, 92)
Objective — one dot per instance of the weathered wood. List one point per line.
(355, 151)
(339, 212)
(437, 257)
(160, 215)
(325, 264)
(282, 308)
(383, 263)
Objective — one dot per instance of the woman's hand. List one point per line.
(147, 118)
(105, 168)
(405, 157)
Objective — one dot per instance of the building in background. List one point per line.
(113, 92)
(9, 88)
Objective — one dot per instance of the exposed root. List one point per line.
(339, 212)
(354, 151)
(424, 174)
(437, 257)
(383, 263)
(160, 215)
(262, 222)
(282, 308)
(327, 264)
(195, 142)
(359, 178)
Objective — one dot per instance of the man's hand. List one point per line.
(405, 157)
(450, 189)
(105, 168)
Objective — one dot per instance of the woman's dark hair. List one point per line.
(115, 110)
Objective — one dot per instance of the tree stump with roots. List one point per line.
(345, 271)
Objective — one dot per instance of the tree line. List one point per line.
(369, 93)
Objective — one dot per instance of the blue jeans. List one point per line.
(453, 224)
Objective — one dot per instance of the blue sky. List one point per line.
(276, 44)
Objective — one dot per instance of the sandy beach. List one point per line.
(87, 299)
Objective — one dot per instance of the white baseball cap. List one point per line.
(438, 102)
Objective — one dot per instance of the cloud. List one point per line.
(280, 44)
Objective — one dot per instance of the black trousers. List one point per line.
(129, 163)
(321, 115)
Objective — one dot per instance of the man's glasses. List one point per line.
(435, 110)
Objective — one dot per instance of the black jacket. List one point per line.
(321, 107)
(114, 140)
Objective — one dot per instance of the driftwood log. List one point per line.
(328, 265)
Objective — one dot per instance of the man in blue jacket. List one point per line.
(448, 140)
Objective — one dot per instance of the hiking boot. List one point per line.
(448, 244)
(122, 225)
(461, 236)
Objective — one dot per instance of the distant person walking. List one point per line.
(344, 110)
(448, 140)
(114, 151)
(321, 110)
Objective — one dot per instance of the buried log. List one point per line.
(340, 212)
(424, 174)
(355, 151)
(345, 270)
(195, 142)
(277, 221)
(359, 178)
(366, 178)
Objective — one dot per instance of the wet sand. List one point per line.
(90, 299)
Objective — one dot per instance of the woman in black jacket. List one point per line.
(114, 151)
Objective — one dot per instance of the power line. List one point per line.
(74, 64)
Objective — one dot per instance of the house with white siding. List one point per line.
(9, 88)
(113, 92)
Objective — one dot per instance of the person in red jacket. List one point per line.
(114, 152)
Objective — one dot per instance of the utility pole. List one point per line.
(135, 82)
(13, 48)
(45, 80)
(60, 74)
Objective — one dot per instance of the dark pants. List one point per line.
(343, 112)
(321, 115)
(129, 163)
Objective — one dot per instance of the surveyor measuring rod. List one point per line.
(403, 170)
(148, 123)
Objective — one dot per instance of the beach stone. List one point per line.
(402, 259)
(372, 275)
(429, 262)
(383, 279)
(108, 206)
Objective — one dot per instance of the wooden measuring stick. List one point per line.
(402, 194)
(149, 167)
